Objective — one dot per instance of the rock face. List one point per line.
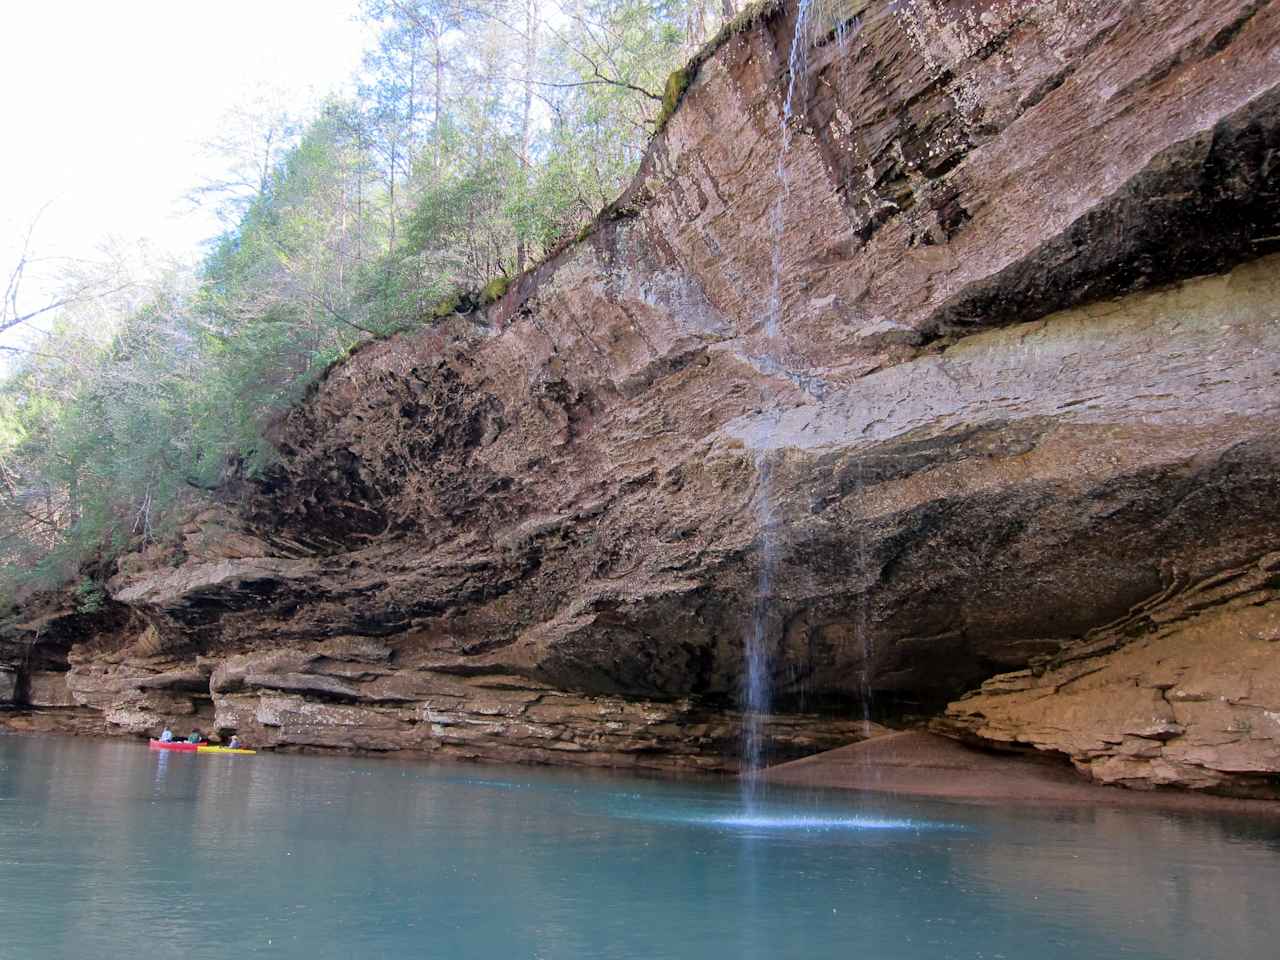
(1181, 692)
(993, 360)
(362, 694)
(352, 695)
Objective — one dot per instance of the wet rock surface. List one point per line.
(1005, 407)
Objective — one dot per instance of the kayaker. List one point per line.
(234, 744)
(166, 736)
(195, 737)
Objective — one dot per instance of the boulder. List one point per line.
(1185, 693)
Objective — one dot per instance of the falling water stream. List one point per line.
(797, 64)
(758, 693)
(758, 686)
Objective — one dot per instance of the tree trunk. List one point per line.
(530, 59)
(264, 174)
(438, 60)
(391, 195)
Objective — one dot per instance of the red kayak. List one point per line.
(177, 745)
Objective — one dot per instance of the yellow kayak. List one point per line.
(223, 750)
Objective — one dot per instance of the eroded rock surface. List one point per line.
(1182, 692)
(348, 694)
(1004, 405)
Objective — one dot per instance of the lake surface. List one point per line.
(110, 850)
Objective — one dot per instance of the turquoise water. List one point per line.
(110, 850)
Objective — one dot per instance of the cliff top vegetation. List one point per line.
(484, 133)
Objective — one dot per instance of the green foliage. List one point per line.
(446, 306)
(677, 83)
(89, 596)
(481, 140)
(494, 290)
(458, 232)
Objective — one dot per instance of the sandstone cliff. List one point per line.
(1024, 385)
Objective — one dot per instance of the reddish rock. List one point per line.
(919, 764)
(1024, 380)
(1185, 692)
(48, 688)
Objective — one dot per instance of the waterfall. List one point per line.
(758, 692)
(797, 63)
(758, 686)
(861, 624)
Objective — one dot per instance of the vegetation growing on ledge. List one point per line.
(487, 134)
(746, 19)
(494, 290)
(679, 80)
(826, 17)
(677, 83)
(446, 306)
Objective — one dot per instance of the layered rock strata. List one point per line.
(1004, 406)
(357, 694)
(1182, 692)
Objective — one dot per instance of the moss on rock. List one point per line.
(446, 306)
(680, 80)
(493, 291)
(677, 83)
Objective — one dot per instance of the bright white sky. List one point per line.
(104, 105)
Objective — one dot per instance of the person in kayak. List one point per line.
(166, 736)
(195, 737)
(234, 743)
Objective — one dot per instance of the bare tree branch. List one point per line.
(84, 290)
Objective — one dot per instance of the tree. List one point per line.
(409, 67)
(253, 139)
(80, 282)
(486, 132)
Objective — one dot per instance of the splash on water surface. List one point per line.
(818, 824)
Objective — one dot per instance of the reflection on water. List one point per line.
(108, 849)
